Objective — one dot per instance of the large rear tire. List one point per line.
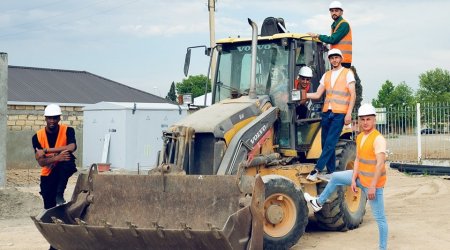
(286, 213)
(345, 210)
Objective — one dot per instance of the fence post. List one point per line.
(419, 138)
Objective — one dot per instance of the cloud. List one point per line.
(393, 40)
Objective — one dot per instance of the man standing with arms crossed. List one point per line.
(369, 172)
(339, 84)
(54, 146)
(341, 34)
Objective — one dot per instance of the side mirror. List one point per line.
(187, 61)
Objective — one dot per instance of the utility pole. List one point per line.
(3, 115)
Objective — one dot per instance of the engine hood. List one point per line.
(222, 117)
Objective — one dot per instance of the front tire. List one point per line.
(286, 213)
(345, 210)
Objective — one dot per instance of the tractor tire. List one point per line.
(344, 210)
(285, 213)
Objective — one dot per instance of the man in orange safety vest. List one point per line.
(369, 172)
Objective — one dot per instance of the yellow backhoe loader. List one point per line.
(229, 176)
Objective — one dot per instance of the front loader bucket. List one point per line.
(156, 212)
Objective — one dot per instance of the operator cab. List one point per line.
(279, 59)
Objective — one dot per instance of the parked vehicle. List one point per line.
(427, 131)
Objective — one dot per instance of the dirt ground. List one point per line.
(417, 208)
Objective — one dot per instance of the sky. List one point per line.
(142, 43)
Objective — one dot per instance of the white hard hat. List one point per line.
(52, 110)
(305, 71)
(334, 52)
(366, 109)
(336, 5)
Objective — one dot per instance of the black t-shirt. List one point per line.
(70, 133)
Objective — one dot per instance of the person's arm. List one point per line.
(337, 35)
(37, 147)
(317, 94)
(48, 161)
(348, 115)
(70, 147)
(380, 152)
(381, 157)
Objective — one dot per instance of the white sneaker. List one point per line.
(313, 175)
(313, 202)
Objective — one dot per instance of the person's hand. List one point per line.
(354, 187)
(348, 119)
(39, 153)
(313, 35)
(63, 156)
(371, 193)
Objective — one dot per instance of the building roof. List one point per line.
(133, 106)
(29, 84)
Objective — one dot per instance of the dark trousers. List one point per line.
(332, 125)
(53, 185)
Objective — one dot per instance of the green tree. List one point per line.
(171, 95)
(384, 95)
(194, 85)
(394, 96)
(434, 86)
(403, 95)
(397, 100)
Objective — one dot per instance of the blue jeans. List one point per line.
(344, 178)
(331, 129)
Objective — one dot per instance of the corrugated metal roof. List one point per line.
(29, 84)
(133, 105)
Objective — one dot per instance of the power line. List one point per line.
(39, 27)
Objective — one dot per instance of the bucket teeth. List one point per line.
(133, 228)
(214, 230)
(82, 224)
(159, 229)
(186, 230)
(107, 227)
(59, 223)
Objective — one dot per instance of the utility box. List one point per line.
(126, 135)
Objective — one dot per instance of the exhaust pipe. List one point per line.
(252, 91)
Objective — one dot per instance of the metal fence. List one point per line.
(416, 133)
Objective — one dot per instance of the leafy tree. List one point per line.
(434, 86)
(403, 95)
(384, 95)
(171, 95)
(194, 85)
(394, 96)
(396, 100)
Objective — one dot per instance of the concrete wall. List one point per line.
(23, 122)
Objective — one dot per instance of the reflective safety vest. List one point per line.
(60, 141)
(338, 96)
(368, 160)
(345, 44)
